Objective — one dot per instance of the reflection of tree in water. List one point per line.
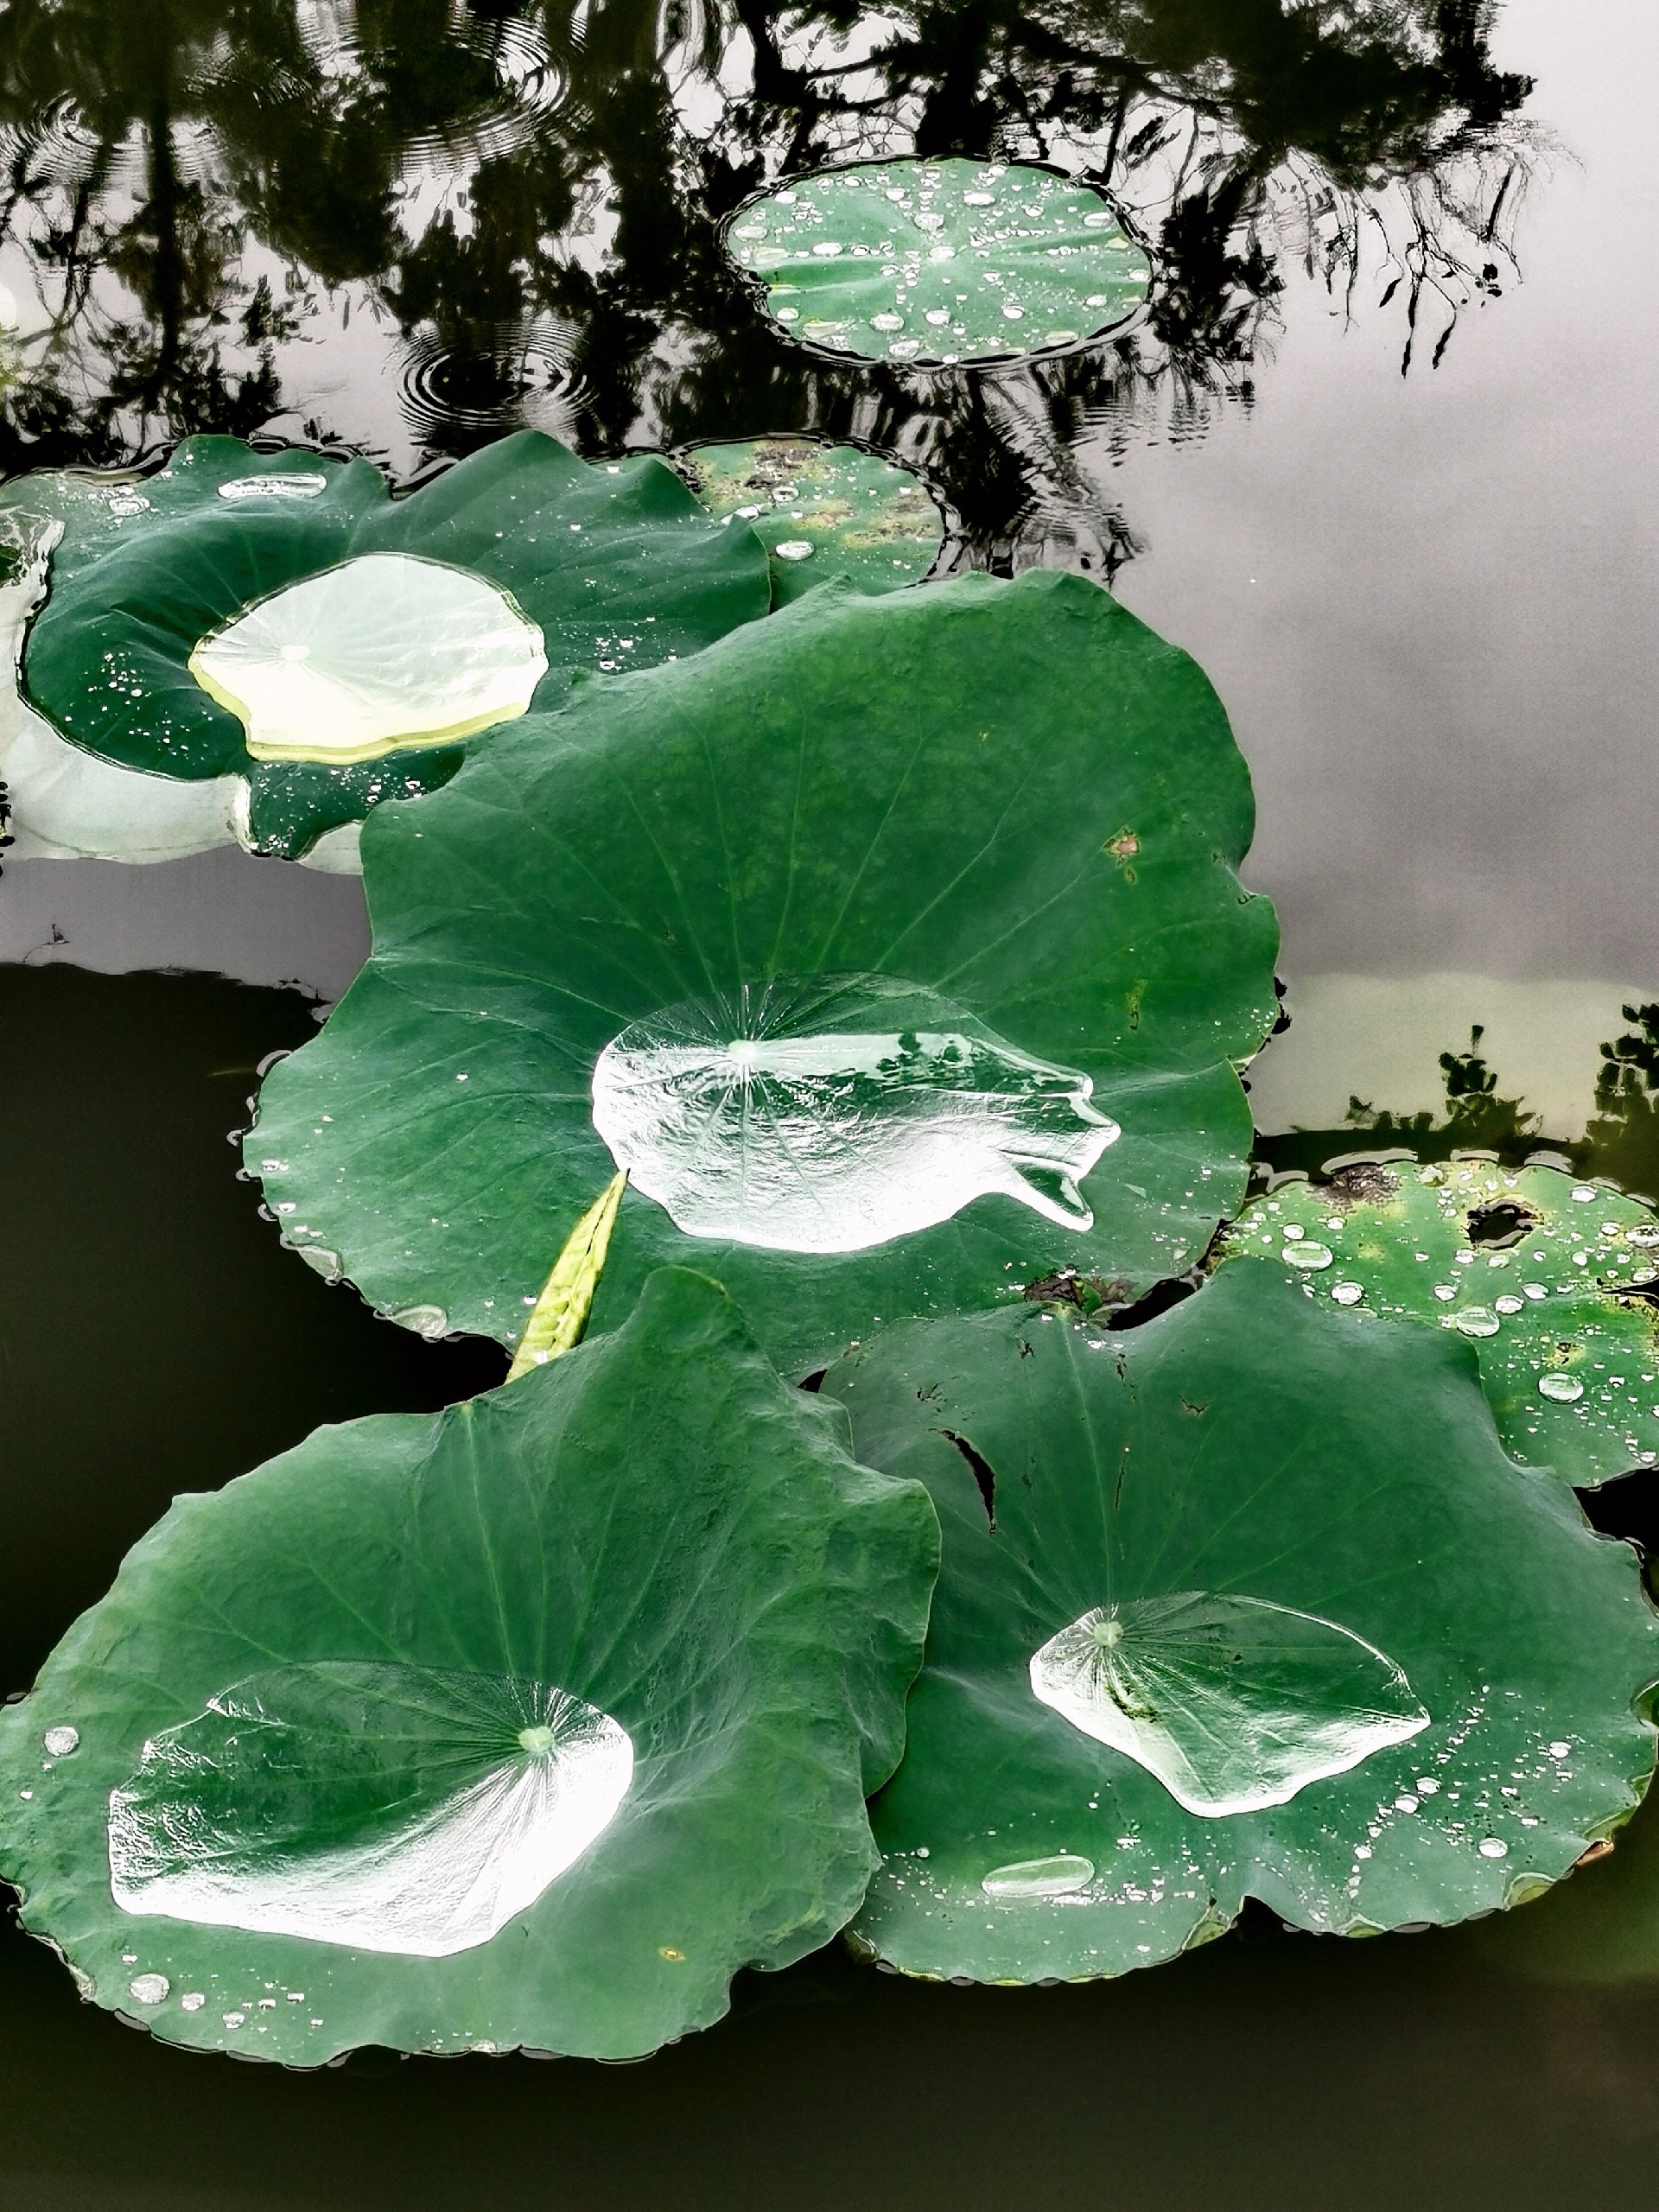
(501, 181)
(1621, 1139)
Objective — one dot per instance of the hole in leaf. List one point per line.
(1628, 1507)
(1157, 1299)
(814, 1382)
(983, 1473)
(1503, 1222)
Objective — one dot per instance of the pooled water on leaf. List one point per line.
(834, 1115)
(1233, 1703)
(389, 1807)
(383, 651)
(1062, 1875)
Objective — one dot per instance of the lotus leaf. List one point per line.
(1245, 1601)
(264, 645)
(893, 947)
(1532, 1267)
(821, 511)
(527, 1723)
(938, 262)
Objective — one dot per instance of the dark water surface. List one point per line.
(1380, 455)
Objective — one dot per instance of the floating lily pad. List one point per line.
(1527, 1263)
(821, 511)
(1244, 1601)
(937, 262)
(529, 1722)
(894, 947)
(278, 632)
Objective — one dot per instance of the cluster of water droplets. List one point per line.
(936, 262)
(1579, 1242)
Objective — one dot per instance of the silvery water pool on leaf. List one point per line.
(832, 1115)
(387, 1808)
(383, 651)
(1234, 1703)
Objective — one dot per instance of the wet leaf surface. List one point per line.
(1531, 1265)
(529, 1722)
(895, 946)
(934, 261)
(1270, 1455)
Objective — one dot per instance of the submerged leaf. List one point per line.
(267, 626)
(1534, 1268)
(528, 1722)
(827, 938)
(1245, 1601)
(821, 511)
(937, 262)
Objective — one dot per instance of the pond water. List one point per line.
(1380, 457)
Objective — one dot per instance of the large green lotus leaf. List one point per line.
(283, 619)
(821, 511)
(529, 1722)
(857, 936)
(1527, 1263)
(937, 262)
(1264, 1610)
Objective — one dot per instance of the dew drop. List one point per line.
(886, 322)
(148, 1988)
(1564, 1389)
(193, 2000)
(1477, 1321)
(1508, 1304)
(59, 1742)
(1347, 1294)
(1308, 1255)
(1492, 1847)
(1061, 1876)
(794, 549)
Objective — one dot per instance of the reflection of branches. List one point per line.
(499, 176)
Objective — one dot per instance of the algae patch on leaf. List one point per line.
(821, 511)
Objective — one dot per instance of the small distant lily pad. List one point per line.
(821, 511)
(527, 1723)
(1247, 1601)
(933, 262)
(263, 646)
(1551, 1279)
